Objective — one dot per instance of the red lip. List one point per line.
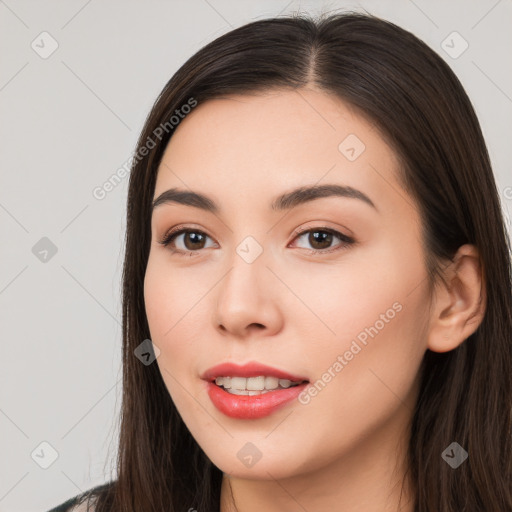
(251, 369)
(250, 406)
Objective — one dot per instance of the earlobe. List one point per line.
(459, 303)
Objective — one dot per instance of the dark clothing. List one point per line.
(75, 500)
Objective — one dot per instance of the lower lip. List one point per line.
(251, 407)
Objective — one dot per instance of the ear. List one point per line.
(458, 305)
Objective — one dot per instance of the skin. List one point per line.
(296, 311)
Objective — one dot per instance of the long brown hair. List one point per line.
(419, 106)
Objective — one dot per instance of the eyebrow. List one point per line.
(285, 201)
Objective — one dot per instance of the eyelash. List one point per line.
(172, 234)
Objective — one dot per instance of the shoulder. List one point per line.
(83, 502)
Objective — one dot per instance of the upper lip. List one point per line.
(251, 369)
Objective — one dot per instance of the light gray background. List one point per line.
(69, 122)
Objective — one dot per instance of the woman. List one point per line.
(316, 250)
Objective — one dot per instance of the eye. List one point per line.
(321, 239)
(192, 238)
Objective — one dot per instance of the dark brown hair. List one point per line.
(421, 109)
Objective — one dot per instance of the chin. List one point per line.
(267, 467)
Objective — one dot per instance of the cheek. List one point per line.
(342, 299)
(170, 297)
(158, 298)
(164, 307)
(171, 329)
(378, 321)
(176, 310)
(371, 309)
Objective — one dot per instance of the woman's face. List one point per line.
(346, 312)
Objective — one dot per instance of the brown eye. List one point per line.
(320, 239)
(192, 240)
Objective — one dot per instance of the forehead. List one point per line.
(265, 143)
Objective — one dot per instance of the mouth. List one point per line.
(252, 386)
(251, 390)
(251, 404)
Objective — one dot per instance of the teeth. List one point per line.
(247, 392)
(256, 383)
(271, 382)
(238, 383)
(253, 385)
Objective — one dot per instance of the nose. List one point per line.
(247, 301)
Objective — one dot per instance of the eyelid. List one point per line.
(303, 229)
(180, 229)
(346, 240)
(171, 234)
